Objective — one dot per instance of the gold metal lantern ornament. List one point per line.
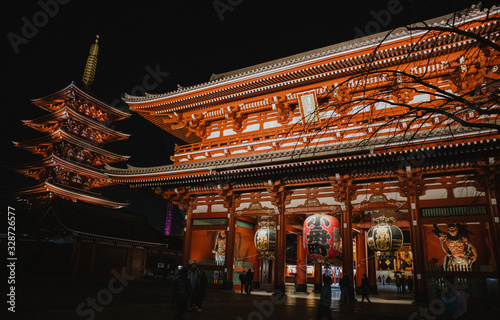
(265, 239)
(385, 238)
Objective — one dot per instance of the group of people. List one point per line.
(246, 279)
(325, 299)
(190, 287)
(189, 290)
(384, 280)
(401, 282)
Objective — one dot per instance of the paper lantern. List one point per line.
(265, 239)
(321, 237)
(385, 238)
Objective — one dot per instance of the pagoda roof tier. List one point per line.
(60, 135)
(49, 190)
(89, 221)
(29, 169)
(255, 164)
(208, 101)
(51, 122)
(53, 102)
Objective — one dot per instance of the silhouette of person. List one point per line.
(325, 300)
(365, 287)
(181, 293)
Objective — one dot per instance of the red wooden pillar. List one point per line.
(372, 272)
(280, 258)
(231, 236)
(347, 247)
(318, 277)
(257, 264)
(492, 206)
(301, 284)
(360, 259)
(411, 187)
(186, 249)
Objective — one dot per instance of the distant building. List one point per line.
(73, 157)
(86, 240)
(66, 226)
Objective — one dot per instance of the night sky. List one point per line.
(43, 50)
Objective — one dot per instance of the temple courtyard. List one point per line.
(119, 298)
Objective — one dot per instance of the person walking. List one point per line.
(398, 283)
(325, 300)
(344, 289)
(403, 284)
(383, 280)
(249, 281)
(181, 293)
(243, 281)
(200, 289)
(365, 288)
(193, 279)
(410, 284)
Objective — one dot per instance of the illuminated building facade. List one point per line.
(350, 130)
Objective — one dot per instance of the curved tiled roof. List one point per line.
(296, 60)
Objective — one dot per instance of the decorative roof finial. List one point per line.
(90, 67)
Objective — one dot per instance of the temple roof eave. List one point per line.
(68, 192)
(63, 113)
(282, 64)
(250, 163)
(54, 160)
(61, 134)
(72, 87)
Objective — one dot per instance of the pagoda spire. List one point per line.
(90, 67)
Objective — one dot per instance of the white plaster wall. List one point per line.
(434, 194)
(228, 132)
(361, 198)
(359, 108)
(214, 134)
(271, 124)
(467, 192)
(425, 97)
(239, 151)
(218, 208)
(328, 201)
(201, 209)
(252, 127)
(383, 105)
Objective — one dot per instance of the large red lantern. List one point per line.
(322, 237)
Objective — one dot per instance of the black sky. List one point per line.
(187, 39)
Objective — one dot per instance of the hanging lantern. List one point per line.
(265, 239)
(384, 237)
(322, 237)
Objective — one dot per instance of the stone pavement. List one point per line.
(66, 299)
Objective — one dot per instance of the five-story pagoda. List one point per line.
(76, 129)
